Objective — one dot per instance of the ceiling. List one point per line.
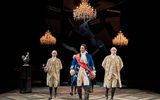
(56, 15)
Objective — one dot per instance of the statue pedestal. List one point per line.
(25, 79)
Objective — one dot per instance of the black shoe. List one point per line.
(106, 97)
(55, 94)
(71, 93)
(80, 99)
(75, 92)
(50, 98)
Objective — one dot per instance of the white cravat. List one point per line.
(53, 58)
(113, 56)
(83, 57)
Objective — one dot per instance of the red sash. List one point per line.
(83, 65)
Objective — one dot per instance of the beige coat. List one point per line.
(53, 72)
(112, 66)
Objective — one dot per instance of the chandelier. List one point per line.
(47, 39)
(84, 11)
(120, 39)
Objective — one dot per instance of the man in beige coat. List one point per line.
(112, 65)
(53, 68)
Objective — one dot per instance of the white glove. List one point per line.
(72, 72)
(45, 69)
(94, 74)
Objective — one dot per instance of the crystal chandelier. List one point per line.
(84, 11)
(120, 39)
(47, 39)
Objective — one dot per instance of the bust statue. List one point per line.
(26, 58)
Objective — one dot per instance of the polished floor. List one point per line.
(41, 93)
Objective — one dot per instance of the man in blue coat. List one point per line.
(86, 71)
